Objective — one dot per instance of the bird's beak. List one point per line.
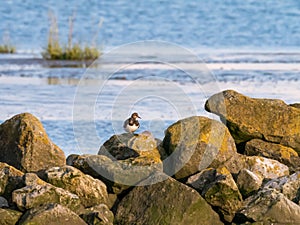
(139, 117)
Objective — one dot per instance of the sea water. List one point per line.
(249, 46)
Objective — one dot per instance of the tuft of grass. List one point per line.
(75, 52)
(71, 52)
(7, 49)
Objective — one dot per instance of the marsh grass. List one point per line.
(7, 49)
(54, 51)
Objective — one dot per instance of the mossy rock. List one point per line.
(165, 202)
(270, 207)
(35, 195)
(25, 145)
(281, 153)
(90, 191)
(251, 118)
(51, 214)
(98, 215)
(196, 143)
(9, 216)
(219, 189)
(10, 180)
(118, 175)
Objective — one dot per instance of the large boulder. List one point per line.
(51, 214)
(9, 216)
(219, 189)
(35, 195)
(196, 143)
(166, 202)
(10, 179)
(90, 191)
(249, 118)
(118, 175)
(270, 207)
(98, 215)
(25, 145)
(283, 154)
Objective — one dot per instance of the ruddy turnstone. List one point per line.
(132, 124)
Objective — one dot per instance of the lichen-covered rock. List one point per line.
(248, 182)
(90, 191)
(117, 175)
(35, 195)
(33, 179)
(10, 179)
(127, 145)
(292, 141)
(296, 105)
(218, 188)
(196, 143)
(249, 118)
(98, 215)
(267, 168)
(289, 186)
(51, 214)
(166, 202)
(270, 207)
(25, 145)
(9, 216)
(283, 154)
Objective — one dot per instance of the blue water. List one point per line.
(193, 24)
(220, 32)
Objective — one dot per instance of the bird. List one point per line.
(132, 124)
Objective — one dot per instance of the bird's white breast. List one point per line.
(132, 128)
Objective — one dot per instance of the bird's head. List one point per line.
(135, 115)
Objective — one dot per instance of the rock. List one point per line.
(33, 179)
(98, 215)
(165, 202)
(266, 168)
(296, 105)
(219, 190)
(9, 216)
(35, 195)
(269, 207)
(248, 182)
(127, 145)
(90, 191)
(250, 118)
(292, 141)
(25, 145)
(3, 202)
(196, 143)
(289, 186)
(117, 175)
(51, 214)
(10, 179)
(283, 154)
(112, 200)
